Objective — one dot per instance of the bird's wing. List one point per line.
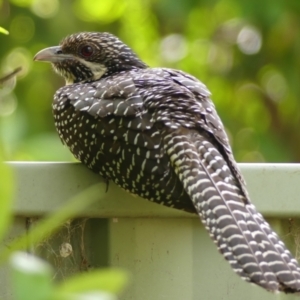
(212, 122)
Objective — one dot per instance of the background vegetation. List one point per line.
(246, 52)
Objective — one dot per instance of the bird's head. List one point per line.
(88, 56)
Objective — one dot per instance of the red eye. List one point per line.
(86, 51)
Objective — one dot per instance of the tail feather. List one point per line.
(241, 234)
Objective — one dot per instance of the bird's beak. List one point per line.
(52, 55)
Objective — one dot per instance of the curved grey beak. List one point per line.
(51, 54)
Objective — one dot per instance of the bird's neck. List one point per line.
(123, 66)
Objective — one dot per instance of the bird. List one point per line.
(156, 133)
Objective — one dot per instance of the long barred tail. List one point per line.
(241, 234)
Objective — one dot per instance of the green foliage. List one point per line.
(246, 52)
(32, 280)
(6, 190)
(6, 186)
(110, 280)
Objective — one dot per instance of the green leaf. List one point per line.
(31, 277)
(108, 280)
(6, 191)
(48, 225)
(4, 31)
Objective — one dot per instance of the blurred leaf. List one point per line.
(32, 280)
(4, 31)
(110, 280)
(6, 191)
(31, 277)
(51, 223)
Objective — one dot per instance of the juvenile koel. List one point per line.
(155, 132)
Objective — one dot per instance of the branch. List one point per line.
(10, 75)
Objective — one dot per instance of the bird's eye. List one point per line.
(86, 51)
